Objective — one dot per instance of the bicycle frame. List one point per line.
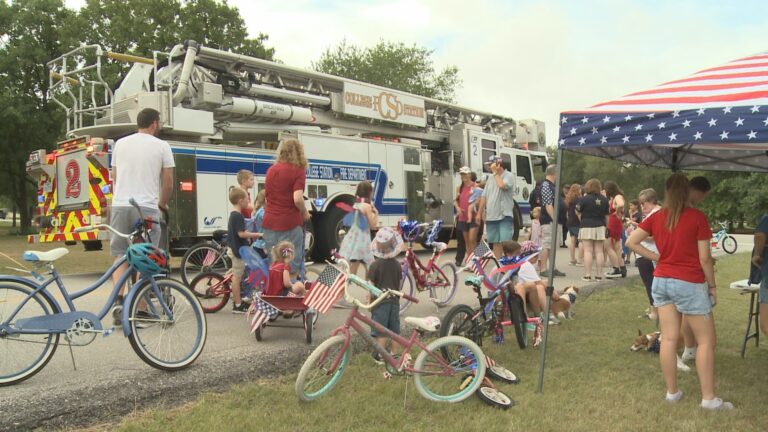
(69, 298)
(353, 321)
(419, 270)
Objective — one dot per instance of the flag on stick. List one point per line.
(326, 290)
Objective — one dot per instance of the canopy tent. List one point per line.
(715, 119)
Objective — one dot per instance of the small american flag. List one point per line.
(210, 257)
(489, 362)
(326, 290)
(481, 251)
(262, 312)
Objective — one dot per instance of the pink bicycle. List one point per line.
(448, 369)
(440, 281)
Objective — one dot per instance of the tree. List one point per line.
(32, 33)
(394, 65)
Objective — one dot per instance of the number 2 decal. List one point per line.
(72, 173)
(474, 150)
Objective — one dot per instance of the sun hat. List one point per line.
(387, 243)
(528, 247)
(494, 159)
(465, 170)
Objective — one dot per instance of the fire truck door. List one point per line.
(183, 204)
(414, 182)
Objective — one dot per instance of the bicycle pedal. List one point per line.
(107, 332)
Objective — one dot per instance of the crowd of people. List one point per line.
(670, 239)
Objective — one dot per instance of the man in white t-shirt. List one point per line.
(142, 169)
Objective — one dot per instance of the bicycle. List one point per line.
(163, 320)
(207, 256)
(503, 307)
(729, 244)
(439, 280)
(448, 369)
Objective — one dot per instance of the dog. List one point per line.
(652, 342)
(561, 307)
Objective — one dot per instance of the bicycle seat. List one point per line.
(475, 281)
(48, 256)
(439, 246)
(219, 235)
(429, 324)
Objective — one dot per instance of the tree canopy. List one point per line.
(394, 65)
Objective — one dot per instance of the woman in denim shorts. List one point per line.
(683, 286)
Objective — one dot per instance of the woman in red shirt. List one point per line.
(465, 227)
(615, 228)
(284, 190)
(683, 285)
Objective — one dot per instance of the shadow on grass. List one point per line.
(593, 383)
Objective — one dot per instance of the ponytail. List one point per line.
(675, 198)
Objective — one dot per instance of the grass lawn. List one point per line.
(77, 261)
(593, 383)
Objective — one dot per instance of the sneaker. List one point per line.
(682, 366)
(613, 274)
(623, 272)
(687, 356)
(672, 398)
(552, 319)
(578, 264)
(241, 308)
(142, 315)
(558, 273)
(377, 358)
(586, 278)
(716, 404)
(117, 313)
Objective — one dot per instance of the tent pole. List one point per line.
(551, 269)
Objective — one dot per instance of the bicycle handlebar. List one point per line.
(380, 295)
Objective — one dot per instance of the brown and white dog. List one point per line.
(652, 342)
(561, 307)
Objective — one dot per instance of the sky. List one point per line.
(526, 58)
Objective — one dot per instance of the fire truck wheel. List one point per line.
(92, 245)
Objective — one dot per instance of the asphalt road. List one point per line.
(110, 380)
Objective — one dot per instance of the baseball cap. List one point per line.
(493, 159)
(465, 170)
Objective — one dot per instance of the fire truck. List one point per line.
(222, 112)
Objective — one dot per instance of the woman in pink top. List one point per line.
(465, 227)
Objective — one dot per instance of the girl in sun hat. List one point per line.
(384, 273)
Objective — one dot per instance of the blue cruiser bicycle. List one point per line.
(162, 318)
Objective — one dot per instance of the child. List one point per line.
(256, 225)
(238, 237)
(356, 246)
(535, 235)
(474, 197)
(630, 223)
(279, 283)
(246, 180)
(384, 273)
(529, 282)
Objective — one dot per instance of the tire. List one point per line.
(22, 360)
(211, 290)
(729, 244)
(92, 245)
(309, 322)
(465, 358)
(309, 240)
(444, 294)
(495, 398)
(458, 321)
(407, 286)
(258, 335)
(323, 356)
(517, 223)
(502, 374)
(328, 236)
(147, 335)
(202, 258)
(519, 320)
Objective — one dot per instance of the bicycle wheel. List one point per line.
(729, 244)
(503, 374)
(316, 377)
(519, 319)
(464, 359)
(458, 321)
(406, 286)
(212, 291)
(168, 331)
(495, 398)
(23, 355)
(204, 257)
(444, 284)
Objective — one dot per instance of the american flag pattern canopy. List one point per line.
(715, 119)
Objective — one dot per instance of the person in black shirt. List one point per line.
(384, 273)
(592, 210)
(238, 237)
